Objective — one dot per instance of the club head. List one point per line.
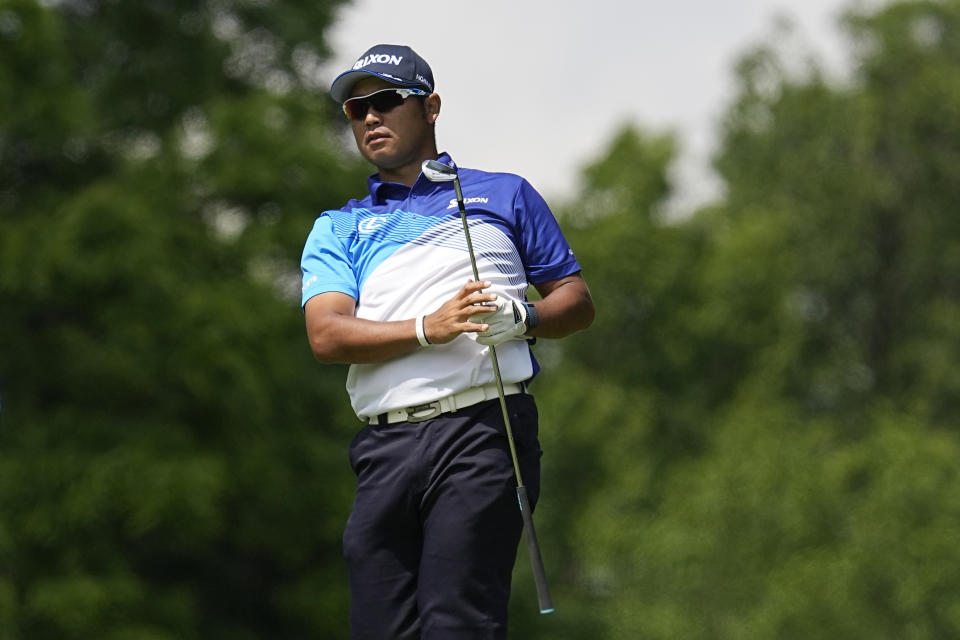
(438, 172)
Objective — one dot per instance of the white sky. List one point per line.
(538, 88)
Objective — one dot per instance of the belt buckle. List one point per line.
(434, 412)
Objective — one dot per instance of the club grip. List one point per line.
(533, 546)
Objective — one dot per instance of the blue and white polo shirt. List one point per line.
(401, 252)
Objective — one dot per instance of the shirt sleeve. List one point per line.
(545, 252)
(325, 263)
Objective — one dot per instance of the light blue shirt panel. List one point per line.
(345, 247)
(325, 263)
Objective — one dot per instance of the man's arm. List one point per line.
(566, 307)
(337, 335)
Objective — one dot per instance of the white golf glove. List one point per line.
(509, 321)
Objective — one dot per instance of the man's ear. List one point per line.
(431, 106)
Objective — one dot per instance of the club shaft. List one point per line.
(493, 350)
(526, 510)
(533, 548)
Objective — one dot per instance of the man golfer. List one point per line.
(388, 287)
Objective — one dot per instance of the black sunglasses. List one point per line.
(382, 101)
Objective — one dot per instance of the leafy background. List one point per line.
(757, 438)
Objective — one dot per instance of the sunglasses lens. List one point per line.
(382, 101)
(356, 108)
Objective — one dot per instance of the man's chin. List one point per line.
(382, 159)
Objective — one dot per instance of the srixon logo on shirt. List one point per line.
(453, 203)
(377, 58)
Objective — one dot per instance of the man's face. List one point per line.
(398, 137)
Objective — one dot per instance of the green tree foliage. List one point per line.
(874, 163)
(171, 459)
(758, 438)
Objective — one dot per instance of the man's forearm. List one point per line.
(565, 309)
(337, 336)
(352, 340)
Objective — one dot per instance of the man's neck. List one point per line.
(405, 175)
(408, 173)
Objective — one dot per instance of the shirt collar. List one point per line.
(380, 191)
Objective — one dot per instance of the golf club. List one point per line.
(439, 172)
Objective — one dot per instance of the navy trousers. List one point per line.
(432, 537)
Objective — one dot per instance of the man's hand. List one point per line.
(456, 315)
(507, 321)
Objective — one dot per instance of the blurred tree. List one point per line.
(869, 182)
(758, 438)
(171, 458)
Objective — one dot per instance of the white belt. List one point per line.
(449, 404)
